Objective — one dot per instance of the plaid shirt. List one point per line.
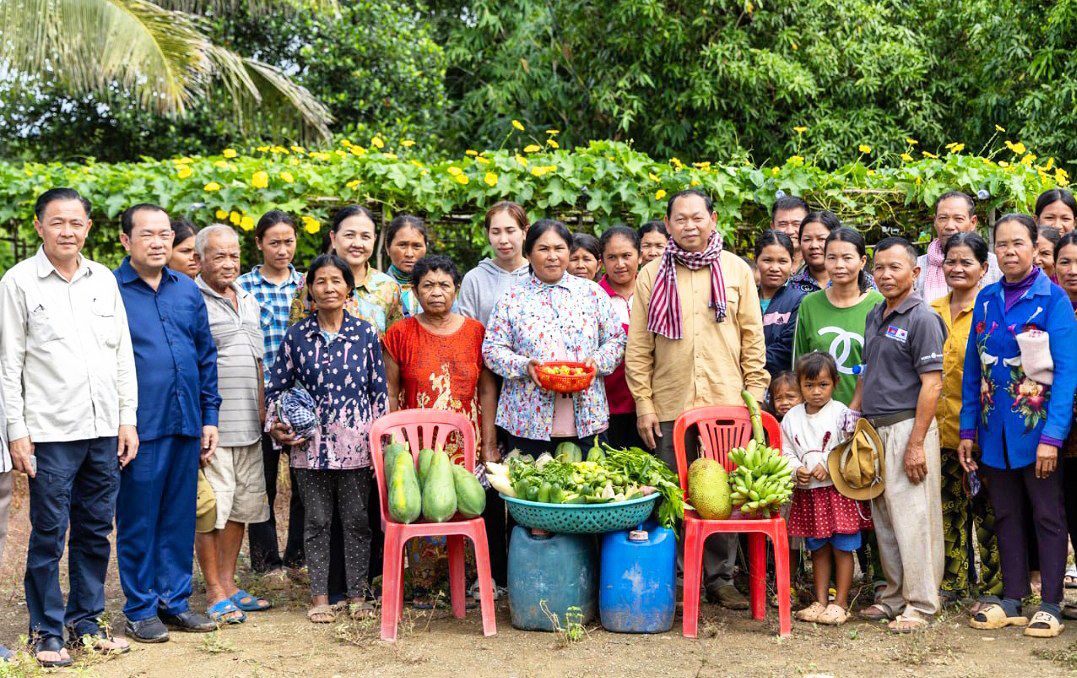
(275, 301)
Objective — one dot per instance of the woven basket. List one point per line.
(582, 518)
(565, 383)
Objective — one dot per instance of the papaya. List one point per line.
(470, 497)
(425, 457)
(405, 498)
(394, 448)
(439, 490)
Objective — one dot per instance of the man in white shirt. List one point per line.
(5, 498)
(68, 379)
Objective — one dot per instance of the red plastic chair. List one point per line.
(422, 428)
(722, 429)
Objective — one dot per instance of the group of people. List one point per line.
(160, 397)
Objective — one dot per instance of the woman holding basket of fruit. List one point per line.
(549, 337)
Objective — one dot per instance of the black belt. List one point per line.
(891, 419)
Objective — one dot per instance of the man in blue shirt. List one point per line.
(176, 365)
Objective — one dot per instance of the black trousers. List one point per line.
(262, 537)
(623, 433)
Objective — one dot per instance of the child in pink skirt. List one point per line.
(829, 522)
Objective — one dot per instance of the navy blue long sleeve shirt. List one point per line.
(175, 357)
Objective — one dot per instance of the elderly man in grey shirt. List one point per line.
(236, 471)
(68, 378)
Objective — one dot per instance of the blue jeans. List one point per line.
(155, 516)
(76, 483)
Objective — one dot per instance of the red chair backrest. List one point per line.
(721, 429)
(419, 428)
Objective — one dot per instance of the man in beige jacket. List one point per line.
(695, 338)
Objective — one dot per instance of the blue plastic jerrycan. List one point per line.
(555, 571)
(637, 584)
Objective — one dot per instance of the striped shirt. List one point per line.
(240, 349)
(275, 300)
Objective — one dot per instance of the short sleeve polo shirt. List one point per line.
(898, 348)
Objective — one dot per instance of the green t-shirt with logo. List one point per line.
(821, 326)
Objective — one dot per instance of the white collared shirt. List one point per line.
(68, 371)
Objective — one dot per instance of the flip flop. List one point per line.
(51, 644)
(1044, 625)
(253, 604)
(218, 610)
(877, 612)
(993, 616)
(903, 624)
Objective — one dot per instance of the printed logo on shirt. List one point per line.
(897, 334)
(841, 347)
(776, 318)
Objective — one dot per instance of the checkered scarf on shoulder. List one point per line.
(664, 314)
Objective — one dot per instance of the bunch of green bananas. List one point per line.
(762, 481)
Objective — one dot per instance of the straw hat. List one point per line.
(857, 466)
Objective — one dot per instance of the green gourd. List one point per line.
(390, 453)
(425, 457)
(439, 491)
(405, 498)
(470, 497)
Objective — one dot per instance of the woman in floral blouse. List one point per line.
(376, 297)
(551, 315)
(1017, 403)
(337, 359)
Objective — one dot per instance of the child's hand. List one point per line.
(803, 475)
(820, 472)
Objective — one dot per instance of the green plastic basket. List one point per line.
(581, 518)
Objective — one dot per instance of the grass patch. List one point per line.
(214, 643)
(1066, 657)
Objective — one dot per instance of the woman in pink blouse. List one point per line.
(551, 315)
(620, 251)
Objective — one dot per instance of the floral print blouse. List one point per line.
(376, 300)
(572, 319)
(346, 378)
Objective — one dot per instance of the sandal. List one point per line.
(903, 624)
(1069, 611)
(223, 611)
(105, 645)
(833, 615)
(360, 610)
(810, 613)
(993, 616)
(248, 602)
(1044, 625)
(321, 614)
(53, 645)
(877, 612)
(1070, 580)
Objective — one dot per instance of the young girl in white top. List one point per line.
(829, 522)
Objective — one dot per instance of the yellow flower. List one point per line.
(298, 149)
(653, 177)
(795, 161)
(454, 170)
(864, 148)
(279, 150)
(259, 179)
(221, 215)
(552, 144)
(659, 194)
(1062, 177)
(955, 147)
(353, 184)
(676, 162)
(928, 154)
(287, 177)
(775, 170)
(247, 222)
(522, 160)
(518, 125)
(320, 155)
(694, 182)
(1028, 160)
(220, 164)
(800, 129)
(490, 179)
(1003, 164)
(357, 150)
(211, 186)
(472, 152)
(910, 141)
(416, 163)
(539, 170)
(1050, 163)
(229, 153)
(871, 172)
(183, 172)
(461, 179)
(311, 225)
(376, 142)
(553, 132)
(906, 157)
(1018, 148)
(235, 217)
(345, 142)
(407, 143)
(482, 161)
(1000, 128)
(184, 160)
(391, 156)
(532, 148)
(263, 149)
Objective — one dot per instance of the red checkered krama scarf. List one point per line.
(664, 313)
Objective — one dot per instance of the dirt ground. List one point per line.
(281, 642)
